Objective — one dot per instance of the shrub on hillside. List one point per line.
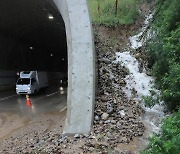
(168, 142)
(164, 51)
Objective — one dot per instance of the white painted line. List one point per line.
(5, 98)
(52, 94)
(63, 109)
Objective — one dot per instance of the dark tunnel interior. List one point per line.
(32, 36)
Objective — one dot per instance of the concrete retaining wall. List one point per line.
(81, 65)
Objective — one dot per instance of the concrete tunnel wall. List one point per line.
(7, 78)
(81, 65)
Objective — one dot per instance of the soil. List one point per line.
(21, 131)
(10, 123)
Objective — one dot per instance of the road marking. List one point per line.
(63, 109)
(5, 98)
(52, 94)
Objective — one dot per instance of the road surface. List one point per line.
(53, 99)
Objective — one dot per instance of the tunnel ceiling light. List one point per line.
(31, 48)
(50, 16)
(63, 59)
(44, 9)
(51, 55)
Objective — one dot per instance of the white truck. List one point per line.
(30, 82)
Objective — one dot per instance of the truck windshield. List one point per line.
(22, 81)
(26, 72)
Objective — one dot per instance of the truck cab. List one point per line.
(31, 82)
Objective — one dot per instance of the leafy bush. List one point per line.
(107, 15)
(171, 86)
(168, 142)
(164, 51)
(151, 100)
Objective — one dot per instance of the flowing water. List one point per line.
(138, 40)
(142, 84)
(139, 84)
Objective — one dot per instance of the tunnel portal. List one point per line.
(32, 36)
(53, 35)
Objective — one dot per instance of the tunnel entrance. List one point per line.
(61, 25)
(32, 38)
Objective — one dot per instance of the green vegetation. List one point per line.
(112, 12)
(168, 142)
(151, 99)
(164, 51)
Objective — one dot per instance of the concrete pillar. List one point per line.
(81, 65)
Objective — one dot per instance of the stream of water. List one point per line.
(140, 82)
(137, 41)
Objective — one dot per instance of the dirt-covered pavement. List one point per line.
(20, 134)
(10, 123)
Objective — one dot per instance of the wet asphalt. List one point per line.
(53, 99)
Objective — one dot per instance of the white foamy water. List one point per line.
(142, 84)
(135, 40)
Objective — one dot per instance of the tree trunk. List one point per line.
(99, 8)
(116, 7)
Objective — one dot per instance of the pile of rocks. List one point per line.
(117, 118)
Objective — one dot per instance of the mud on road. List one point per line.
(21, 131)
(9, 123)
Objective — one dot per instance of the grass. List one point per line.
(106, 14)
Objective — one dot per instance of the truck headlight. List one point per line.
(28, 88)
(61, 88)
(16, 88)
